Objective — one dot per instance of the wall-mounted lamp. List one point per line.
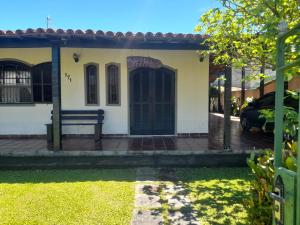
(201, 58)
(76, 57)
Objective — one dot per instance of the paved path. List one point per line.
(160, 201)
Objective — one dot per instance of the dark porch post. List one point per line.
(227, 107)
(262, 82)
(286, 85)
(219, 96)
(243, 86)
(56, 96)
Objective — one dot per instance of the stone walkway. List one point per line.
(160, 199)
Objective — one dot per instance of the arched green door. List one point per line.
(152, 102)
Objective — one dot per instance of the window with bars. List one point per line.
(15, 82)
(113, 84)
(20, 83)
(42, 83)
(91, 84)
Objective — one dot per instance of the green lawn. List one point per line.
(87, 197)
(84, 197)
(218, 195)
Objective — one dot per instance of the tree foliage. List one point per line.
(243, 32)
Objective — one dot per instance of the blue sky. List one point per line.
(178, 16)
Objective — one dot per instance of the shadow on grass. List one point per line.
(59, 176)
(221, 204)
(218, 196)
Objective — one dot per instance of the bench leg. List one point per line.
(98, 132)
(49, 133)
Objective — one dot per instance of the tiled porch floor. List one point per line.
(240, 141)
(139, 144)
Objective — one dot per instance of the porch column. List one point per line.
(219, 95)
(243, 86)
(262, 82)
(227, 108)
(56, 96)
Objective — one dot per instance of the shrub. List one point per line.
(290, 155)
(262, 167)
(260, 204)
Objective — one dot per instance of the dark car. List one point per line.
(250, 115)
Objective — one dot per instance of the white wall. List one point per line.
(21, 120)
(27, 118)
(192, 90)
(192, 86)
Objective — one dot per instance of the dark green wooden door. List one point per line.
(152, 102)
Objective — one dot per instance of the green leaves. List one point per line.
(262, 164)
(260, 205)
(290, 155)
(293, 94)
(243, 33)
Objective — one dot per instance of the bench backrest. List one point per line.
(93, 116)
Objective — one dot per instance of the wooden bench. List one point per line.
(79, 118)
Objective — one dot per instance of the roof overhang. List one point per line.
(91, 39)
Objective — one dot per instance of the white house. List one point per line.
(147, 84)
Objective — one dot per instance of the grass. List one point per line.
(66, 197)
(88, 197)
(218, 195)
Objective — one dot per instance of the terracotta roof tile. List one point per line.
(180, 35)
(169, 35)
(9, 32)
(110, 34)
(19, 32)
(79, 32)
(149, 35)
(197, 36)
(189, 36)
(90, 32)
(60, 31)
(56, 33)
(139, 35)
(119, 35)
(70, 31)
(159, 35)
(129, 34)
(50, 31)
(99, 32)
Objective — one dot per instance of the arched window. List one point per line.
(15, 82)
(42, 83)
(91, 84)
(113, 84)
